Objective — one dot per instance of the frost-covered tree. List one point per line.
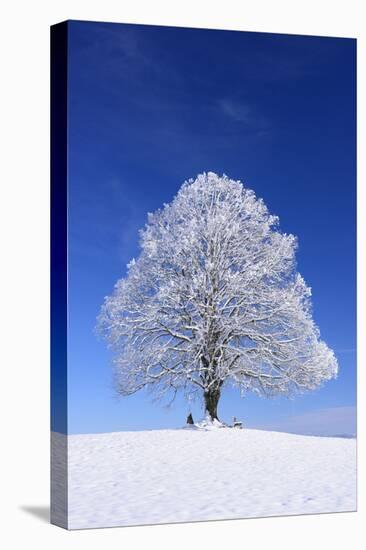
(214, 299)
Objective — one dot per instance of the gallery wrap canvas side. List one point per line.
(59, 273)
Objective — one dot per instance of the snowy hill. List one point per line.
(162, 476)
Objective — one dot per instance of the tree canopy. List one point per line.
(214, 298)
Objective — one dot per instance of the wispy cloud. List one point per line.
(326, 422)
(241, 112)
(244, 113)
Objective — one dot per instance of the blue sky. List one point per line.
(152, 106)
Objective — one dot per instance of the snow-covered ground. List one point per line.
(161, 476)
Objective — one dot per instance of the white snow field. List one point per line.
(163, 476)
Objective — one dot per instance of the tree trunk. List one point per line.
(212, 397)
